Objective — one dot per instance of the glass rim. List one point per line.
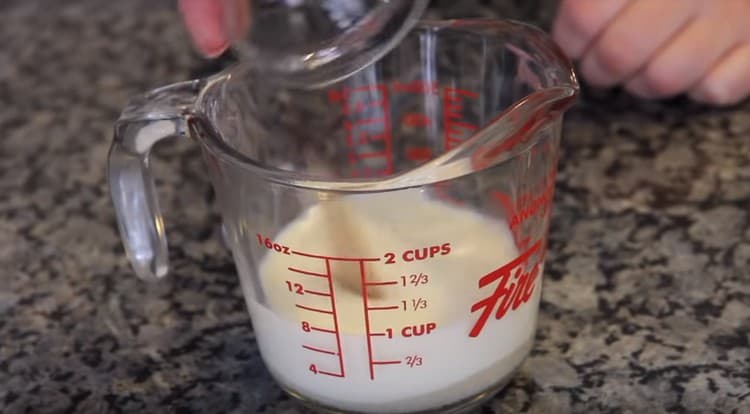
(211, 139)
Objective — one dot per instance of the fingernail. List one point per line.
(717, 93)
(638, 87)
(208, 43)
(212, 51)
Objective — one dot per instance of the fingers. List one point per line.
(638, 32)
(579, 22)
(687, 57)
(728, 82)
(659, 49)
(237, 18)
(203, 19)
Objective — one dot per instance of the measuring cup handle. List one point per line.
(147, 119)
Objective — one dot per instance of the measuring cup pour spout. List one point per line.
(514, 130)
(504, 137)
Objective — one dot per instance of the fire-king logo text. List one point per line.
(513, 289)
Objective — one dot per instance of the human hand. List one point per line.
(205, 21)
(663, 48)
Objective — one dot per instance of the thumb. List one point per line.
(203, 20)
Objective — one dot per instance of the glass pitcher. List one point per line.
(389, 229)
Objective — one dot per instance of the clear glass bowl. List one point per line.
(313, 42)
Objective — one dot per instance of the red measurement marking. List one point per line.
(510, 295)
(314, 309)
(416, 304)
(315, 292)
(452, 117)
(415, 279)
(371, 155)
(367, 319)
(413, 361)
(366, 138)
(388, 138)
(419, 154)
(510, 211)
(379, 334)
(335, 317)
(330, 331)
(332, 374)
(305, 272)
(379, 308)
(360, 107)
(341, 259)
(415, 119)
(392, 282)
(461, 125)
(372, 102)
(363, 137)
(322, 351)
(418, 330)
(306, 326)
(451, 142)
(527, 205)
(385, 362)
(455, 93)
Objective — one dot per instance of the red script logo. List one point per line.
(513, 290)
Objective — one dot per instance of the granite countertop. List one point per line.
(646, 300)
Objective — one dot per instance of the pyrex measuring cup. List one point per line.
(389, 230)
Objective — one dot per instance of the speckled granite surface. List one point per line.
(646, 305)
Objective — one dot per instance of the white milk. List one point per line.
(434, 369)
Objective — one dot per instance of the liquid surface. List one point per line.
(402, 342)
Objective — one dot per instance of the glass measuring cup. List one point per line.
(389, 229)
